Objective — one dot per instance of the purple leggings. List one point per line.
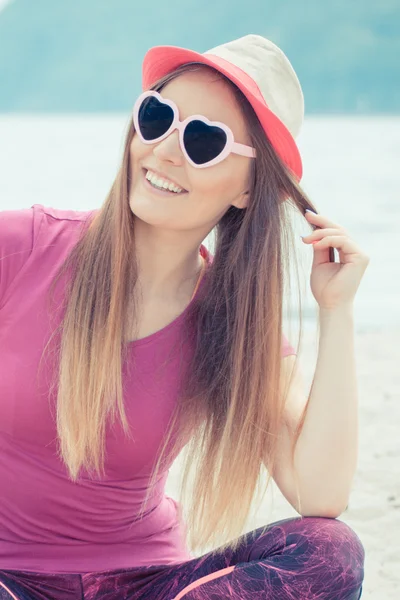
(299, 558)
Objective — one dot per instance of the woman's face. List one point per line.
(211, 190)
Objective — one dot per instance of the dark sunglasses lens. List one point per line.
(155, 118)
(203, 142)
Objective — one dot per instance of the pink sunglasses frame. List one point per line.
(230, 146)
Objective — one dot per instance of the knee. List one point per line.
(338, 545)
(342, 537)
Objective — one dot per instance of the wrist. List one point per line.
(343, 311)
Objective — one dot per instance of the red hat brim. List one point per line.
(161, 60)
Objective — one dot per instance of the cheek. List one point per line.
(137, 148)
(223, 181)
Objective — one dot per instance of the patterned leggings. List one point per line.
(299, 558)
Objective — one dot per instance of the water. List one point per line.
(351, 172)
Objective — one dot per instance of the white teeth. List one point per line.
(162, 183)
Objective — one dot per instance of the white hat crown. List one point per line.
(273, 73)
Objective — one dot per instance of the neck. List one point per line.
(169, 266)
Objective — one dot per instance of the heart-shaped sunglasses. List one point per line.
(204, 143)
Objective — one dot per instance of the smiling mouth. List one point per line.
(163, 189)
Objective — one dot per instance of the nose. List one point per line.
(169, 149)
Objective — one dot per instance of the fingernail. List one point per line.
(311, 211)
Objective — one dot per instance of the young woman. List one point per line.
(123, 312)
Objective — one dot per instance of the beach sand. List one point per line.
(374, 506)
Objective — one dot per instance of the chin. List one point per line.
(148, 212)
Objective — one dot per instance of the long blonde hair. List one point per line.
(230, 405)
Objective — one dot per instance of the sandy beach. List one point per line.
(374, 507)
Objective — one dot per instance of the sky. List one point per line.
(345, 54)
(3, 3)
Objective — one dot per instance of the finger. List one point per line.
(324, 249)
(341, 242)
(318, 234)
(321, 220)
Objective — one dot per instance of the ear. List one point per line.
(242, 200)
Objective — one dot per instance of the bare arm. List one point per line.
(326, 452)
